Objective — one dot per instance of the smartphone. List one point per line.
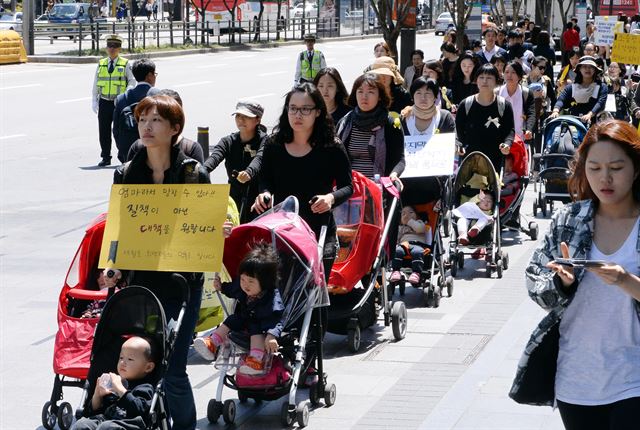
(574, 262)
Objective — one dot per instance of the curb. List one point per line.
(92, 59)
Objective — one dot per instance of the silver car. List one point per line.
(9, 21)
(443, 23)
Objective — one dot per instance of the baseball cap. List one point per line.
(249, 108)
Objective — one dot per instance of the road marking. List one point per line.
(275, 59)
(242, 56)
(259, 96)
(210, 66)
(192, 84)
(81, 99)
(21, 86)
(273, 73)
(12, 136)
(41, 341)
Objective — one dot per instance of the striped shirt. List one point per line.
(358, 149)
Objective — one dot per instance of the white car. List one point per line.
(9, 21)
(443, 23)
(311, 11)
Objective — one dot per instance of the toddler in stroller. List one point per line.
(258, 310)
(120, 401)
(478, 209)
(415, 237)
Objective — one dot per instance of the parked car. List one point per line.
(74, 13)
(9, 21)
(311, 11)
(443, 23)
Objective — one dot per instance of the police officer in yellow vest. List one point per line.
(309, 62)
(112, 77)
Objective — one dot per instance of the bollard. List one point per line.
(203, 140)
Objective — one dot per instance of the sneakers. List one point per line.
(414, 279)
(251, 366)
(463, 240)
(205, 347)
(396, 276)
(473, 232)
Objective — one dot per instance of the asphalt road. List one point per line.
(50, 190)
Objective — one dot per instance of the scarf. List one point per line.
(424, 114)
(375, 121)
(582, 94)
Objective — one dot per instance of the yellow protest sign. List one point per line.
(626, 48)
(167, 228)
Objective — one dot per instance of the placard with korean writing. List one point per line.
(166, 228)
(626, 48)
(604, 30)
(426, 156)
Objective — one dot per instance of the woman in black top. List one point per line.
(462, 85)
(242, 152)
(373, 139)
(335, 95)
(486, 125)
(160, 122)
(303, 158)
(389, 74)
(433, 70)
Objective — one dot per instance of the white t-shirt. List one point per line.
(599, 357)
(516, 104)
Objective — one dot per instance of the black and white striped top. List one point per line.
(358, 149)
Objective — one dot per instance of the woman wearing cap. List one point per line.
(462, 85)
(242, 155)
(160, 121)
(484, 122)
(433, 70)
(583, 356)
(303, 158)
(387, 71)
(521, 98)
(587, 96)
(335, 95)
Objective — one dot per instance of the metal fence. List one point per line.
(143, 34)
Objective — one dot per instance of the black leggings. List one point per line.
(622, 415)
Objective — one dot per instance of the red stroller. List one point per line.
(74, 339)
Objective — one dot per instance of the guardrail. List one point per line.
(155, 34)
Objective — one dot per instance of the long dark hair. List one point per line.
(458, 75)
(341, 91)
(436, 66)
(622, 134)
(323, 133)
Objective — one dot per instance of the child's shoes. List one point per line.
(473, 232)
(396, 276)
(205, 347)
(463, 240)
(251, 366)
(414, 278)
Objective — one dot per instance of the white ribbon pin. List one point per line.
(495, 121)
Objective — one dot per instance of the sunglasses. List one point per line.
(542, 68)
(113, 45)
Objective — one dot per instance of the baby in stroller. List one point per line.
(414, 238)
(479, 209)
(120, 401)
(258, 311)
(510, 178)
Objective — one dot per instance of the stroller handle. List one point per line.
(184, 286)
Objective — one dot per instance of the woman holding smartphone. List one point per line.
(584, 355)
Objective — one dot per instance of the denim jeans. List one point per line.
(181, 403)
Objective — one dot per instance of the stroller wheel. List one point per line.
(535, 207)
(330, 395)
(229, 411)
(399, 320)
(460, 259)
(214, 410)
(453, 265)
(353, 338)
(314, 398)
(533, 230)
(449, 284)
(499, 269)
(48, 417)
(505, 260)
(65, 416)
(286, 416)
(488, 269)
(302, 414)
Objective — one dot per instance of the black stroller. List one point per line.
(135, 311)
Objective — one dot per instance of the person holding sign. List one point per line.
(425, 117)
(303, 158)
(484, 122)
(584, 354)
(160, 122)
(587, 96)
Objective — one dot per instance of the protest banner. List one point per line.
(626, 48)
(429, 156)
(604, 30)
(167, 228)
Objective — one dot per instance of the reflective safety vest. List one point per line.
(110, 85)
(308, 71)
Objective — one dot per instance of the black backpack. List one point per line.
(128, 125)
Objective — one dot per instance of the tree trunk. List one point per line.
(278, 22)
(258, 22)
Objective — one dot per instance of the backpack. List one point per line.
(127, 125)
(501, 104)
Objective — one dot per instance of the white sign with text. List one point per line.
(429, 157)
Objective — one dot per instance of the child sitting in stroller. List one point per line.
(509, 178)
(123, 400)
(259, 309)
(413, 235)
(478, 209)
